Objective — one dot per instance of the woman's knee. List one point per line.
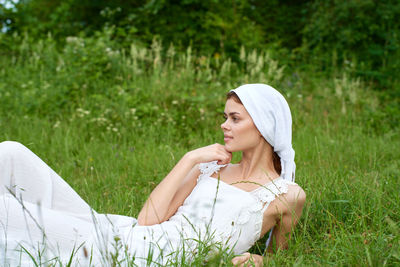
(9, 148)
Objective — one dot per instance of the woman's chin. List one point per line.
(230, 148)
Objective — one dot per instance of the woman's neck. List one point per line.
(257, 163)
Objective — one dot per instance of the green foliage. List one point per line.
(209, 26)
(93, 75)
(362, 33)
(362, 36)
(61, 18)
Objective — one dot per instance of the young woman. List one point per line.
(205, 201)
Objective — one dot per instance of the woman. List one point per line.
(203, 202)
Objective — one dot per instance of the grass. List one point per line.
(113, 123)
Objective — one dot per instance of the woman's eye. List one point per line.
(233, 118)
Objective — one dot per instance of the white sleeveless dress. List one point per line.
(40, 215)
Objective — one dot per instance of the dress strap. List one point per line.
(267, 193)
(209, 168)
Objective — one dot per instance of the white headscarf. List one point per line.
(271, 115)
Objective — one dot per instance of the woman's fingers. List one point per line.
(224, 157)
(210, 153)
(241, 260)
(257, 259)
(247, 259)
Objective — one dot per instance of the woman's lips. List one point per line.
(227, 138)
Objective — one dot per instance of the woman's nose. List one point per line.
(224, 125)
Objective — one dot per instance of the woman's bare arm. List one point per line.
(183, 192)
(157, 205)
(289, 212)
(165, 199)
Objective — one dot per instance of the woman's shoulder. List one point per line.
(295, 196)
(295, 193)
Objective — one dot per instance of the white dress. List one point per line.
(43, 218)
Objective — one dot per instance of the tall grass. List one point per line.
(113, 122)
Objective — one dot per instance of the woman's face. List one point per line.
(240, 133)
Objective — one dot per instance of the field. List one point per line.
(113, 122)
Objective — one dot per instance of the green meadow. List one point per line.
(113, 121)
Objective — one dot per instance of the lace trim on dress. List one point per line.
(208, 168)
(264, 195)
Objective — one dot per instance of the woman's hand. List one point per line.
(210, 153)
(247, 259)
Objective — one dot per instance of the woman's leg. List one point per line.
(38, 209)
(29, 229)
(28, 178)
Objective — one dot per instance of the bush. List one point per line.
(362, 33)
